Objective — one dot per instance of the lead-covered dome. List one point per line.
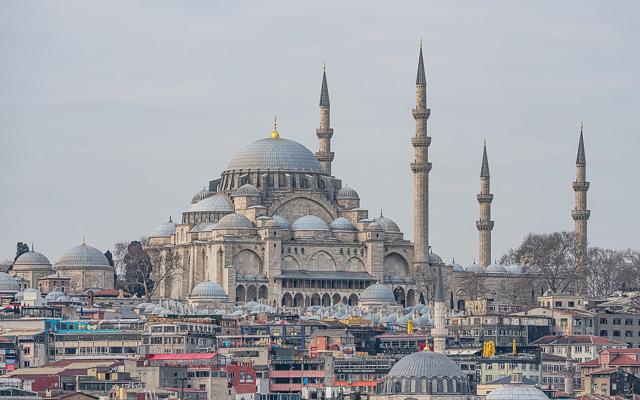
(309, 223)
(8, 284)
(496, 269)
(208, 290)
(426, 364)
(347, 193)
(387, 224)
(234, 221)
(476, 268)
(342, 224)
(275, 154)
(281, 221)
(216, 203)
(247, 190)
(82, 256)
(30, 261)
(378, 293)
(201, 195)
(166, 229)
(517, 392)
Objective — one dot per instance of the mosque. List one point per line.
(278, 227)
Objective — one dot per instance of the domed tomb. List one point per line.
(32, 266)
(87, 267)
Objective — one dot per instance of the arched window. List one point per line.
(440, 386)
(398, 387)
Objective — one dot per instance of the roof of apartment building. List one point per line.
(575, 339)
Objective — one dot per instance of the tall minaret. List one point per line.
(421, 167)
(439, 330)
(580, 213)
(485, 225)
(324, 133)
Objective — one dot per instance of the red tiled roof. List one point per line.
(591, 363)
(623, 360)
(612, 350)
(183, 357)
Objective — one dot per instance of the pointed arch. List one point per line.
(322, 261)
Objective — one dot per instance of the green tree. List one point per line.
(21, 248)
(109, 257)
(422, 298)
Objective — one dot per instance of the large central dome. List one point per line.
(275, 154)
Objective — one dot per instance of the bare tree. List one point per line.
(473, 285)
(425, 279)
(168, 264)
(606, 272)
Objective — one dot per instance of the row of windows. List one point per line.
(616, 321)
(522, 366)
(617, 333)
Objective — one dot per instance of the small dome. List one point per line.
(53, 296)
(309, 223)
(514, 269)
(32, 260)
(166, 229)
(342, 224)
(247, 190)
(82, 256)
(434, 259)
(377, 293)
(425, 364)
(456, 267)
(216, 203)
(476, 268)
(281, 221)
(516, 390)
(234, 221)
(201, 195)
(8, 284)
(347, 193)
(387, 224)
(272, 224)
(496, 269)
(208, 290)
(374, 226)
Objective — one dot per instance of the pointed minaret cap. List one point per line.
(484, 171)
(420, 78)
(439, 286)
(581, 159)
(275, 134)
(324, 91)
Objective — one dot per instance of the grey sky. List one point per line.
(114, 113)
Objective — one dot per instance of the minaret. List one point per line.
(439, 330)
(485, 225)
(569, 372)
(421, 167)
(324, 133)
(580, 213)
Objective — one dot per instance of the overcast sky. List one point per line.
(114, 113)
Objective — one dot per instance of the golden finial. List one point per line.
(274, 133)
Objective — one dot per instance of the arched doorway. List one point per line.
(315, 299)
(460, 305)
(336, 298)
(398, 293)
(287, 300)
(353, 300)
(298, 300)
(326, 300)
(411, 298)
(263, 292)
(240, 294)
(252, 293)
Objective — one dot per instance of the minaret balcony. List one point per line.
(421, 141)
(484, 225)
(421, 113)
(580, 214)
(420, 167)
(324, 133)
(581, 186)
(325, 155)
(484, 198)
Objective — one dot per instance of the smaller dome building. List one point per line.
(208, 295)
(32, 266)
(87, 267)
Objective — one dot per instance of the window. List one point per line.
(628, 333)
(628, 322)
(558, 304)
(604, 333)
(616, 333)
(616, 321)
(572, 304)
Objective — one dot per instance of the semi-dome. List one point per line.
(82, 256)
(475, 268)
(347, 193)
(425, 364)
(342, 224)
(387, 224)
(309, 223)
(281, 221)
(275, 154)
(378, 293)
(208, 290)
(32, 260)
(216, 203)
(496, 269)
(247, 190)
(166, 229)
(8, 284)
(234, 221)
(200, 195)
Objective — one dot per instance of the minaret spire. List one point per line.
(439, 330)
(580, 213)
(324, 133)
(484, 224)
(420, 168)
